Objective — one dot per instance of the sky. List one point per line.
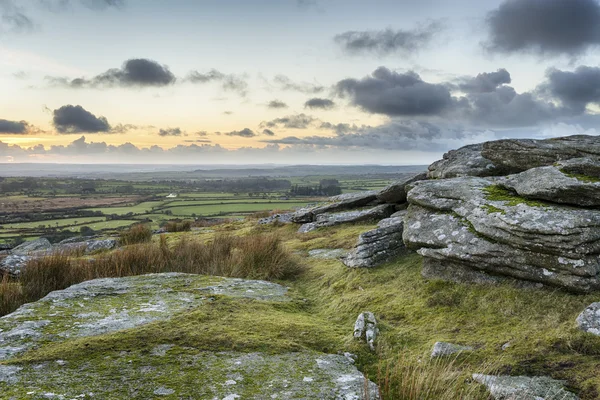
(290, 81)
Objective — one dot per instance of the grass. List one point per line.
(11, 295)
(412, 313)
(138, 233)
(140, 208)
(229, 208)
(581, 177)
(178, 226)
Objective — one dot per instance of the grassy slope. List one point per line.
(413, 314)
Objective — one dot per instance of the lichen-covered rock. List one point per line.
(333, 219)
(342, 202)
(88, 246)
(589, 319)
(365, 328)
(396, 192)
(464, 221)
(524, 388)
(556, 184)
(106, 305)
(38, 245)
(524, 154)
(13, 264)
(442, 349)
(119, 307)
(466, 161)
(285, 218)
(379, 245)
(185, 373)
(328, 254)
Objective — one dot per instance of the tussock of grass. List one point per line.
(11, 295)
(178, 226)
(138, 233)
(261, 256)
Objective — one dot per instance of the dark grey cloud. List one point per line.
(245, 133)
(170, 132)
(574, 89)
(75, 119)
(389, 41)
(285, 83)
(277, 104)
(545, 27)
(395, 94)
(138, 72)
(229, 82)
(339, 128)
(485, 82)
(268, 132)
(298, 121)
(323, 104)
(13, 127)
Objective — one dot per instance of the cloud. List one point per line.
(574, 89)
(245, 133)
(197, 141)
(13, 127)
(229, 82)
(138, 72)
(75, 119)
(395, 94)
(277, 104)
(268, 132)
(170, 132)
(485, 82)
(298, 121)
(324, 104)
(285, 83)
(389, 41)
(201, 133)
(544, 27)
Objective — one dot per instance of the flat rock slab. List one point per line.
(524, 388)
(277, 218)
(554, 183)
(102, 306)
(466, 161)
(339, 203)
(184, 373)
(379, 245)
(524, 154)
(333, 219)
(37, 245)
(442, 349)
(459, 221)
(589, 319)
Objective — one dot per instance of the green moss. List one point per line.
(581, 177)
(498, 193)
(492, 209)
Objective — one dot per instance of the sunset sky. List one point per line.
(290, 81)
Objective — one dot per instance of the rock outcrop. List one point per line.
(119, 306)
(365, 329)
(524, 388)
(333, 219)
(559, 184)
(38, 245)
(466, 161)
(395, 193)
(379, 245)
(524, 154)
(589, 319)
(472, 223)
(339, 203)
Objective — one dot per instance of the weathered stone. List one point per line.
(13, 264)
(88, 246)
(589, 319)
(459, 221)
(106, 305)
(377, 246)
(524, 154)
(524, 388)
(365, 328)
(554, 184)
(466, 161)
(328, 254)
(276, 218)
(442, 349)
(325, 220)
(396, 192)
(38, 245)
(342, 202)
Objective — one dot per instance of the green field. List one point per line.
(53, 223)
(135, 209)
(221, 209)
(105, 225)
